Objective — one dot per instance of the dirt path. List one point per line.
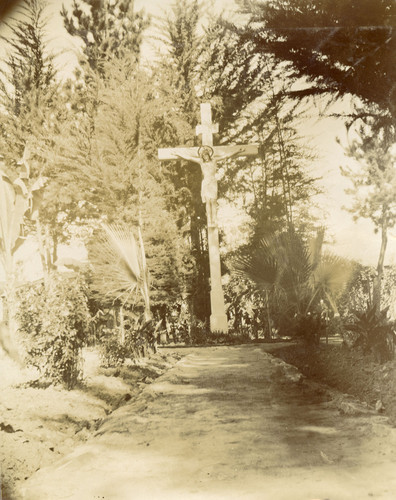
(232, 423)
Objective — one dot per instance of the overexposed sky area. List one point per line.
(351, 239)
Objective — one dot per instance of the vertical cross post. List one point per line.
(218, 317)
(206, 128)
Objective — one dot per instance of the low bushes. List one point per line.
(371, 331)
(199, 333)
(135, 341)
(54, 321)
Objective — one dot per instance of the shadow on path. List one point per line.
(232, 423)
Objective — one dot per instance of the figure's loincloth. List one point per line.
(209, 190)
(209, 182)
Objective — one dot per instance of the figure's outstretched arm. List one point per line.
(185, 156)
(225, 156)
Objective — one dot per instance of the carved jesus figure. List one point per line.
(208, 163)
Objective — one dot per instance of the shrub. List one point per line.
(372, 331)
(54, 319)
(240, 336)
(113, 352)
(335, 327)
(142, 337)
(178, 330)
(139, 340)
(200, 334)
(309, 328)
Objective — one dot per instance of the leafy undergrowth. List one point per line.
(41, 423)
(348, 371)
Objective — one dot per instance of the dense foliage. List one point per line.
(95, 138)
(54, 319)
(135, 339)
(340, 48)
(297, 279)
(371, 330)
(107, 29)
(374, 184)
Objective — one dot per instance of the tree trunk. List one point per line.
(41, 246)
(122, 326)
(380, 266)
(268, 334)
(8, 326)
(54, 249)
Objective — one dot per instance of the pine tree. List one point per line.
(27, 86)
(181, 65)
(340, 48)
(108, 29)
(129, 184)
(276, 187)
(374, 185)
(109, 151)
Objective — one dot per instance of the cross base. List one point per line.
(218, 323)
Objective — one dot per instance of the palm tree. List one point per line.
(119, 265)
(294, 273)
(119, 268)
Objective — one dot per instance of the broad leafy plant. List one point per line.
(120, 276)
(18, 199)
(140, 336)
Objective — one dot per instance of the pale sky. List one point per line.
(355, 240)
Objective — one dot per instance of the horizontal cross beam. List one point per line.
(220, 152)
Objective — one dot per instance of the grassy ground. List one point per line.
(347, 371)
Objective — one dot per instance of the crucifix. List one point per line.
(207, 156)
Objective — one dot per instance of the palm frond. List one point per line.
(332, 275)
(116, 259)
(315, 247)
(294, 260)
(260, 266)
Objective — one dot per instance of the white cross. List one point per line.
(218, 318)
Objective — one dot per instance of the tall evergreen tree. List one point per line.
(27, 86)
(120, 123)
(374, 185)
(129, 181)
(181, 65)
(340, 47)
(276, 187)
(108, 29)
